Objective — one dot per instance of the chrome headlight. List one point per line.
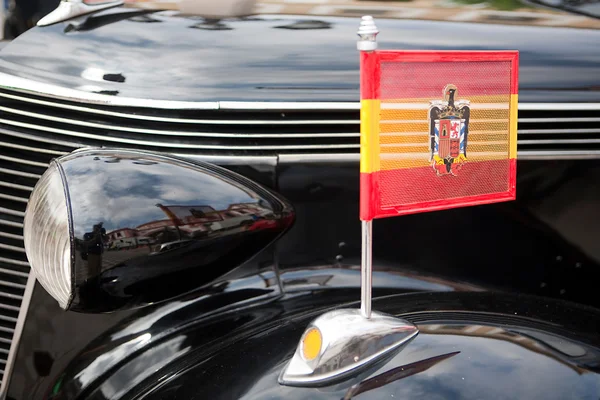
(47, 237)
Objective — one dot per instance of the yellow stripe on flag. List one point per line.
(369, 135)
(487, 114)
(514, 105)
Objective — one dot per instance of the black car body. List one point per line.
(514, 316)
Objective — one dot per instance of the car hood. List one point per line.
(162, 55)
(470, 346)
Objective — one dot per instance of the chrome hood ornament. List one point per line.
(68, 9)
(341, 343)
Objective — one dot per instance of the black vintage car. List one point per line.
(211, 173)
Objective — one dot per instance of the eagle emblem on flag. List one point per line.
(448, 132)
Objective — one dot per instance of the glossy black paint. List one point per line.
(148, 227)
(536, 245)
(166, 57)
(470, 346)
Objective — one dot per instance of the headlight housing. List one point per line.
(111, 229)
(47, 237)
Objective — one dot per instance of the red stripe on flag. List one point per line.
(369, 195)
(369, 75)
(514, 83)
(423, 74)
(472, 79)
(413, 190)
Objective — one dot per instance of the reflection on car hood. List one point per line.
(470, 346)
(160, 55)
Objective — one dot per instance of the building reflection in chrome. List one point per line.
(148, 227)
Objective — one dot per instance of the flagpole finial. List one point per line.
(367, 34)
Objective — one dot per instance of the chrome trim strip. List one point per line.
(11, 236)
(11, 248)
(41, 139)
(537, 120)
(10, 319)
(15, 186)
(22, 161)
(155, 144)
(553, 131)
(288, 105)
(13, 285)
(12, 212)
(559, 155)
(558, 141)
(10, 296)
(14, 262)
(175, 120)
(34, 149)
(559, 106)
(318, 158)
(12, 308)
(19, 173)
(14, 273)
(18, 84)
(11, 223)
(13, 198)
(177, 133)
(12, 354)
(231, 160)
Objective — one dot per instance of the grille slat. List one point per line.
(11, 236)
(12, 285)
(31, 149)
(11, 223)
(22, 161)
(16, 186)
(9, 307)
(13, 198)
(19, 173)
(11, 248)
(549, 131)
(14, 262)
(12, 212)
(11, 296)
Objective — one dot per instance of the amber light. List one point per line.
(311, 344)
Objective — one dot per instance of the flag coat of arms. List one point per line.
(438, 130)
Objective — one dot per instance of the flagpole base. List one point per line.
(340, 344)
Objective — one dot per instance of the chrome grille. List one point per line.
(35, 129)
(238, 131)
(53, 126)
(559, 133)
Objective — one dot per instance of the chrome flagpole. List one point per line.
(343, 342)
(367, 42)
(366, 268)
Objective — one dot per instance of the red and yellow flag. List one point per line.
(438, 130)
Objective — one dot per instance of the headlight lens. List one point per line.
(46, 236)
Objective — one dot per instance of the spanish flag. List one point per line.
(438, 130)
